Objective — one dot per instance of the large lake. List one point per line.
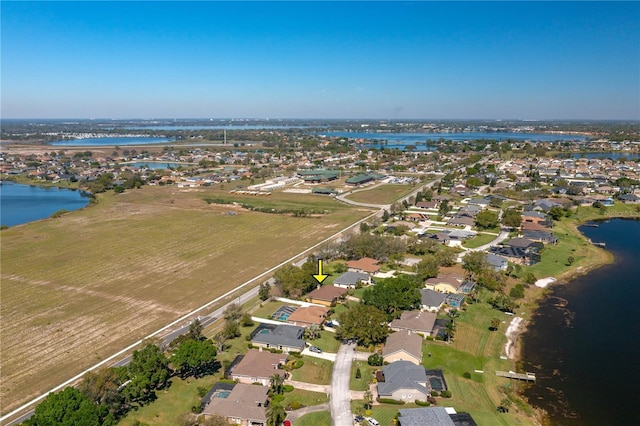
(400, 140)
(24, 203)
(583, 340)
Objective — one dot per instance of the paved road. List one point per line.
(26, 410)
(500, 238)
(340, 395)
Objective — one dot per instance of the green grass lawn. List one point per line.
(172, 404)
(383, 194)
(314, 370)
(315, 419)
(479, 240)
(327, 342)
(304, 397)
(366, 376)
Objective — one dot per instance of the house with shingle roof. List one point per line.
(431, 300)
(243, 405)
(258, 366)
(403, 346)
(308, 316)
(366, 265)
(416, 321)
(351, 279)
(326, 295)
(282, 337)
(449, 283)
(404, 381)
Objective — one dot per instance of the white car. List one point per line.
(372, 421)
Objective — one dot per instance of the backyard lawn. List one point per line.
(314, 370)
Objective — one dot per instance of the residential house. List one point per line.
(326, 295)
(351, 279)
(308, 316)
(416, 321)
(434, 204)
(454, 300)
(404, 381)
(541, 235)
(244, 405)
(258, 366)
(365, 265)
(286, 338)
(495, 262)
(431, 300)
(403, 346)
(445, 284)
(524, 243)
(629, 199)
(434, 416)
(535, 218)
(517, 255)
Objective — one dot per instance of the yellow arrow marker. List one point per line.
(320, 276)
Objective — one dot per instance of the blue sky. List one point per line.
(508, 60)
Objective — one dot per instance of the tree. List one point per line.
(276, 383)
(148, 372)
(427, 268)
(487, 219)
(393, 295)
(103, 388)
(491, 279)
(511, 218)
(275, 414)
(367, 399)
(474, 262)
(233, 312)
(365, 323)
(529, 278)
(444, 208)
(195, 330)
(570, 260)
(195, 358)
(517, 291)
(263, 291)
(495, 323)
(556, 213)
(70, 407)
(447, 256)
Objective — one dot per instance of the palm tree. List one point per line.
(275, 415)
(275, 382)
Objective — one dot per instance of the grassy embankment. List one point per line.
(77, 288)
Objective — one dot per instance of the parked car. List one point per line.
(372, 421)
(359, 419)
(316, 350)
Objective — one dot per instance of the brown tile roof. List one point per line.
(259, 364)
(327, 292)
(365, 264)
(308, 315)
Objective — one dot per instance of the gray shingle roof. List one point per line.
(403, 375)
(351, 278)
(426, 416)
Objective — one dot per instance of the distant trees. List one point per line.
(375, 246)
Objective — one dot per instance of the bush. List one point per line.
(434, 393)
(277, 399)
(358, 373)
(288, 388)
(390, 401)
(299, 363)
(466, 375)
(445, 394)
(202, 391)
(374, 360)
(422, 403)
(295, 405)
(430, 338)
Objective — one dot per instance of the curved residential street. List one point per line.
(340, 395)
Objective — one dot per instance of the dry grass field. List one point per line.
(77, 288)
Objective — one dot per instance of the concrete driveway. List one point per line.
(340, 394)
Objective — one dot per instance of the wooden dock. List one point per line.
(529, 377)
(602, 245)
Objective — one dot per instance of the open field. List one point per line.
(77, 288)
(383, 194)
